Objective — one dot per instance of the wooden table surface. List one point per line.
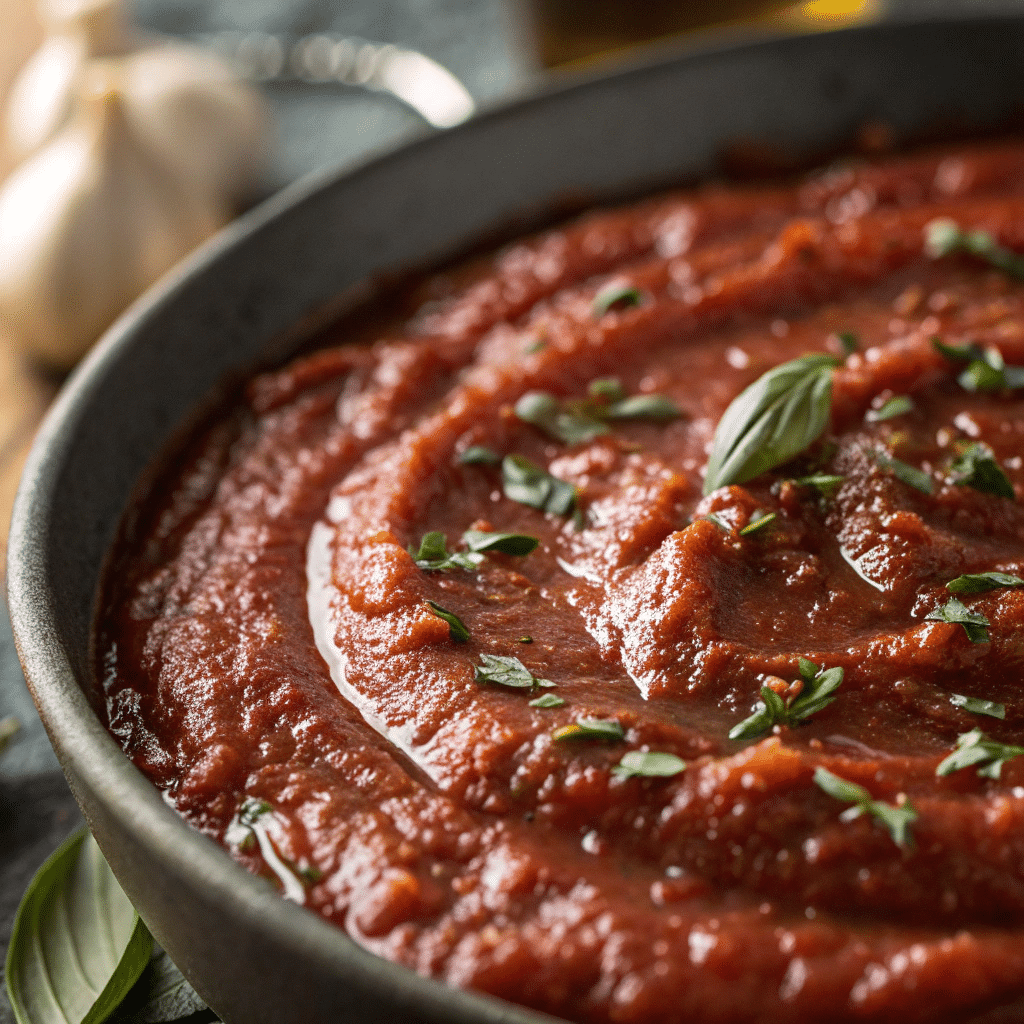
(25, 393)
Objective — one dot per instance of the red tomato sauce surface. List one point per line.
(267, 644)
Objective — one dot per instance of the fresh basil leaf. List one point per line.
(978, 583)
(161, 995)
(643, 407)
(776, 418)
(253, 824)
(958, 353)
(848, 341)
(975, 625)
(944, 237)
(8, 728)
(77, 946)
(976, 467)
(976, 706)
(606, 389)
(480, 455)
(910, 475)
(826, 483)
(433, 555)
(975, 749)
(570, 426)
(898, 405)
(984, 374)
(818, 691)
(505, 671)
(456, 627)
(527, 483)
(547, 700)
(607, 729)
(759, 523)
(507, 543)
(615, 296)
(649, 764)
(896, 818)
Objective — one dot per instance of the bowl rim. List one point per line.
(85, 749)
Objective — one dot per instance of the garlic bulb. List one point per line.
(187, 103)
(88, 223)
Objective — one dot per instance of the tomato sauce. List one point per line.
(270, 658)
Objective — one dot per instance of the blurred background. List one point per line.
(194, 110)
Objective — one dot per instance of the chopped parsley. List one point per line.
(986, 369)
(616, 296)
(433, 555)
(817, 691)
(898, 405)
(247, 829)
(976, 467)
(912, 477)
(501, 670)
(713, 517)
(648, 764)
(943, 237)
(607, 729)
(480, 455)
(976, 706)
(456, 627)
(848, 342)
(825, 483)
(978, 583)
(525, 482)
(974, 748)
(547, 700)
(897, 818)
(481, 542)
(975, 624)
(758, 522)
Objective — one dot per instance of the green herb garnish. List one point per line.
(481, 542)
(249, 825)
(570, 426)
(713, 517)
(986, 369)
(975, 748)
(525, 639)
(977, 706)
(944, 237)
(480, 455)
(898, 405)
(607, 729)
(777, 417)
(616, 296)
(504, 671)
(978, 583)
(433, 555)
(897, 818)
(758, 522)
(848, 341)
(975, 625)
(976, 467)
(826, 483)
(456, 627)
(817, 692)
(536, 346)
(547, 700)
(527, 483)
(911, 476)
(648, 764)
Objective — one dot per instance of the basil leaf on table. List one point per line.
(777, 417)
(78, 946)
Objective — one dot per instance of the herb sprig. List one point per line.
(897, 818)
(775, 418)
(817, 691)
(974, 748)
(954, 611)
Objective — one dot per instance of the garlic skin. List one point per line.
(187, 103)
(87, 224)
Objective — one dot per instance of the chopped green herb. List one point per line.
(911, 476)
(818, 690)
(527, 483)
(536, 346)
(570, 426)
(977, 706)
(504, 671)
(897, 818)
(616, 296)
(481, 542)
(976, 467)
(982, 581)
(944, 237)
(898, 405)
(777, 417)
(456, 627)
(606, 389)
(758, 522)
(591, 729)
(975, 748)
(643, 407)
(826, 483)
(649, 764)
(986, 369)
(247, 825)
(479, 455)
(524, 639)
(975, 625)
(712, 517)
(433, 555)
(848, 341)
(547, 700)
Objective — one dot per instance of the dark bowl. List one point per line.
(251, 955)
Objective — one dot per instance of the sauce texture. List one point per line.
(270, 659)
